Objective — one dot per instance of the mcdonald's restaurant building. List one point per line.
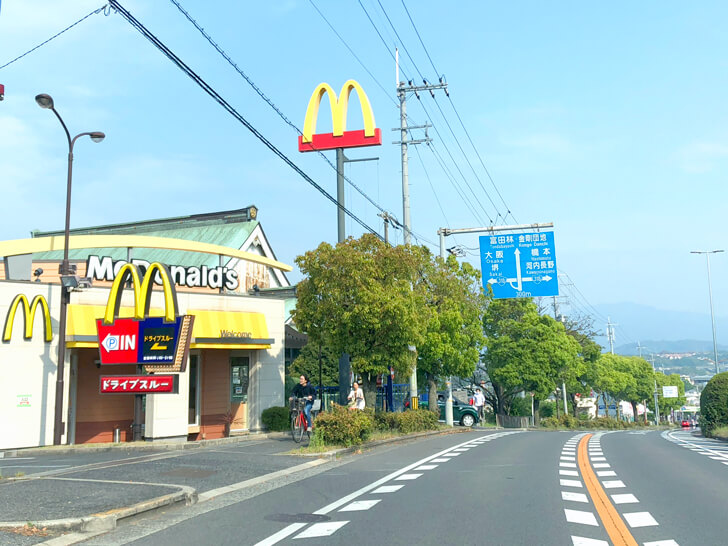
(221, 265)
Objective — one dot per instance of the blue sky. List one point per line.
(607, 119)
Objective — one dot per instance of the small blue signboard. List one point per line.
(520, 265)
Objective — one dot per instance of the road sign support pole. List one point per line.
(448, 401)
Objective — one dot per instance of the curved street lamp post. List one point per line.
(65, 271)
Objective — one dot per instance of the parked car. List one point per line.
(685, 423)
(462, 413)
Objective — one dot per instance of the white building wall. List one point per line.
(28, 371)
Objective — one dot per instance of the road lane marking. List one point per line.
(408, 477)
(582, 541)
(640, 519)
(359, 505)
(324, 529)
(579, 516)
(566, 458)
(439, 460)
(570, 483)
(426, 467)
(567, 465)
(568, 473)
(613, 484)
(280, 535)
(615, 527)
(662, 543)
(595, 459)
(624, 498)
(387, 489)
(606, 473)
(571, 496)
(601, 465)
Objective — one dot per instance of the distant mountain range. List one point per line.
(658, 330)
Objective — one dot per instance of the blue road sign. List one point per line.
(521, 265)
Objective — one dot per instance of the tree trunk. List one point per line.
(557, 404)
(369, 384)
(536, 416)
(432, 395)
(634, 410)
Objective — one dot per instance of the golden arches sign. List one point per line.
(340, 137)
(29, 310)
(142, 292)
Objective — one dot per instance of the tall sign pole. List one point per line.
(337, 140)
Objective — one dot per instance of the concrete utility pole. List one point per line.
(402, 90)
(657, 406)
(448, 400)
(560, 318)
(710, 293)
(610, 334)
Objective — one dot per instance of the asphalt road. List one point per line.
(479, 487)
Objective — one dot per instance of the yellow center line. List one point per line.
(613, 523)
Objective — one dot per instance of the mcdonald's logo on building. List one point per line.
(160, 344)
(340, 137)
(29, 310)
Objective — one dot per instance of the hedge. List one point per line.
(714, 404)
(407, 422)
(342, 426)
(276, 418)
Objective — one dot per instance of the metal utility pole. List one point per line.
(710, 293)
(559, 318)
(388, 219)
(402, 90)
(448, 400)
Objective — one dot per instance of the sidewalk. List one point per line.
(87, 489)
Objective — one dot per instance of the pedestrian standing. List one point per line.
(479, 403)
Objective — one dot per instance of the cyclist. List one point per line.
(305, 390)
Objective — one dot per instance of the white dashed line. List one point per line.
(579, 516)
(613, 484)
(662, 543)
(426, 467)
(582, 541)
(624, 498)
(567, 465)
(321, 529)
(356, 506)
(439, 460)
(568, 473)
(575, 497)
(601, 465)
(606, 473)
(640, 519)
(408, 477)
(570, 483)
(388, 489)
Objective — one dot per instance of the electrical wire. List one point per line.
(232, 111)
(269, 101)
(401, 42)
(94, 12)
(386, 46)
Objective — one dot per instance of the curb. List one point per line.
(137, 446)
(104, 522)
(107, 521)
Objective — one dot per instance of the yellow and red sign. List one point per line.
(28, 310)
(340, 137)
(161, 344)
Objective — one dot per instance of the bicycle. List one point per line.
(298, 419)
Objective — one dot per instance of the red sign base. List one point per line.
(350, 139)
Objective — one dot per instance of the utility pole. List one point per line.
(388, 219)
(402, 90)
(657, 406)
(610, 334)
(448, 400)
(560, 318)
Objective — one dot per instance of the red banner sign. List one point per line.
(138, 384)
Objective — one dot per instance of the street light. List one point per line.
(710, 292)
(46, 101)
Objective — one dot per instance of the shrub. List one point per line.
(416, 421)
(276, 418)
(714, 404)
(546, 409)
(386, 420)
(343, 426)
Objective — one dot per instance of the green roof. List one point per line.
(229, 228)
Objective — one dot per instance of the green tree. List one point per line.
(667, 404)
(576, 376)
(607, 379)
(454, 334)
(714, 404)
(361, 298)
(525, 351)
(307, 363)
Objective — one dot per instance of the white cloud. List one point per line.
(702, 157)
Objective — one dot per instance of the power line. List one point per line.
(232, 111)
(380, 36)
(267, 100)
(352, 52)
(508, 211)
(401, 42)
(94, 12)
